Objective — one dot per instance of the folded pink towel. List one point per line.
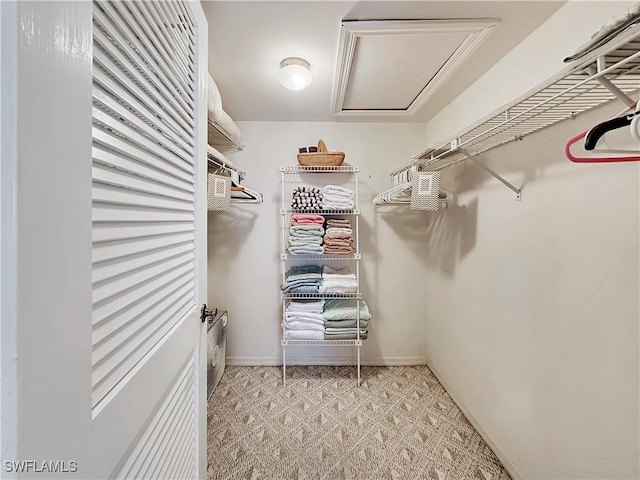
(338, 243)
(307, 219)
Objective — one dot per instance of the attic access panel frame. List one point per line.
(476, 31)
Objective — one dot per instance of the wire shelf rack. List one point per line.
(325, 256)
(291, 169)
(290, 211)
(321, 343)
(578, 88)
(294, 296)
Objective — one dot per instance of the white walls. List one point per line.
(244, 245)
(533, 306)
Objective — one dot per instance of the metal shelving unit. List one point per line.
(609, 72)
(318, 176)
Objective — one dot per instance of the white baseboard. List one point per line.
(506, 463)
(325, 360)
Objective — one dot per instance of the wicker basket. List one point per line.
(322, 158)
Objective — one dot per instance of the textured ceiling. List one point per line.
(248, 39)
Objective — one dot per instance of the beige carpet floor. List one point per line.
(398, 424)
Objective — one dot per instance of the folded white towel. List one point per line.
(348, 286)
(338, 191)
(338, 278)
(294, 325)
(305, 317)
(306, 306)
(300, 241)
(340, 202)
(304, 335)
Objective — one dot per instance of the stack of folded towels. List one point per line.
(338, 237)
(306, 239)
(303, 320)
(341, 319)
(306, 199)
(307, 219)
(335, 197)
(302, 279)
(338, 281)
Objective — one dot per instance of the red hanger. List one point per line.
(596, 159)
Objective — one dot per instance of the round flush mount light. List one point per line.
(295, 73)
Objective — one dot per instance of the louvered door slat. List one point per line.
(121, 196)
(107, 232)
(110, 58)
(105, 76)
(170, 412)
(123, 213)
(113, 177)
(110, 269)
(160, 434)
(110, 143)
(153, 117)
(114, 323)
(104, 348)
(126, 113)
(118, 161)
(141, 87)
(186, 18)
(182, 455)
(180, 22)
(116, 45)
(135, 23)
(167, 11)
(144, 185)
(161, 458)
(118, 305)
(141, 141)
(108, 288)
(120, 362)
(177, 41)
(167, 53)
(117, 249)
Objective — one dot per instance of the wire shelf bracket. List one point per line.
(473, 158)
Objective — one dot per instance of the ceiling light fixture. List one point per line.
(295, 73)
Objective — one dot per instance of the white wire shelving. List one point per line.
(609, 72)
(221, 139)
(296, 174)
(319, 169)
(321, 343)
(318, 296)
(324, 256)
(287, 211)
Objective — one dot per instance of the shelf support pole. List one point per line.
(517, 191)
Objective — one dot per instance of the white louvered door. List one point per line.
(149, 222)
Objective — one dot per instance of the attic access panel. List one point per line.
(392, 67)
